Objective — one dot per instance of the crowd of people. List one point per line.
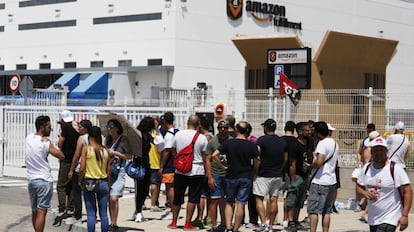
(229, 170)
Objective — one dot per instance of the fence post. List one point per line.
(317, 111)
(270, 96)
(370, 96)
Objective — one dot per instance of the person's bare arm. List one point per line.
(76, 157)
(82, 165)
(320, 158)
(408, 199)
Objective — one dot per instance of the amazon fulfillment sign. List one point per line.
(263, 12)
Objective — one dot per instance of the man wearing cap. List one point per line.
(216, 172)
(323, 178)
(67, 144)
(398, 145)
(269, 181)
(387, 187)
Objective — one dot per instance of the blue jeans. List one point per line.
(102, 197)
(238, 190)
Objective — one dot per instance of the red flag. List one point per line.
(289, 88)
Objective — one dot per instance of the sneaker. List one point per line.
(285, 224)
(113, 228)
(155, 209)
(363, 219)
(358, 208)
(207, 222)
(228, 230)
(167, 216)
(251, 225)
(198, 223)
(173, 225)
(219, 228)
(262, 227)
(292, 227)
(140, 218)
(299, 226)
(189, 226)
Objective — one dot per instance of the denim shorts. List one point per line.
(155, 177)
(238, 190)
(117, 187)
(320, 199)
(218, 191)
(40, 193)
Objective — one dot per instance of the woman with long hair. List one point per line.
(118, 146)
(94, 177)
(142, 186)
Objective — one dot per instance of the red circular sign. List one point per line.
(14, 83)
(219, 109)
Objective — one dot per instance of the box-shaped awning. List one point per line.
(254, 48)
(352, 50)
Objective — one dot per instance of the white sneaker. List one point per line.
(140, 218)
(167, 216)
(285, 224)
(155, 209)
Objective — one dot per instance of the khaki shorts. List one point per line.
(167, 178)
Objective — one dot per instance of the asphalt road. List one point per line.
(15, 207)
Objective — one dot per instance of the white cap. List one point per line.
(371, 136)
(400, 126)
(66, 116)
(330, 127)
(379, 142)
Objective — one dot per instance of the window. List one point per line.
(44, 66)
(42, 2)
(152, 62)
(127, 18)
(256, 79)
(33, 26)
(97, 64)
(2, 6)
(21, 66)
(1, 67)
(124, 63)
(69, 65)
(374, 80)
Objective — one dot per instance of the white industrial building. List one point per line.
(142, 46)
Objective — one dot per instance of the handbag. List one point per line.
(135, 171)
(91, 185)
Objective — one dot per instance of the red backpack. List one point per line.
(183, 160)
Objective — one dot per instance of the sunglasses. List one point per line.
(109, 126)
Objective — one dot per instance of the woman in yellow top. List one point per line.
(94, 176)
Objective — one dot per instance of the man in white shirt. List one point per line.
(398, 145)
(387, 187)
(323, 178)
(40, 181)
(194, 179)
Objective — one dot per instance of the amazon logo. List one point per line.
(265, 11)
(234, 9)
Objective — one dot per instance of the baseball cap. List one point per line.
(330, 127)
(373, 135)
(270, 123)
(66, 116)
(400, 126)
(222, 123)
(380, 141)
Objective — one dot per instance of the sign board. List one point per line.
(291, 56)
(26, 86)
(278, 69)
(14, 83)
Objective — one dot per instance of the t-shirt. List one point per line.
(36, 152)
(168, 143)
(154, 155)
(299, 152)
(71, 138)
(326, 173)
(212, 146)
(182, 139)
(96, 169)
(387, 208)
(394, 141)
(240, 153)
(272, 149)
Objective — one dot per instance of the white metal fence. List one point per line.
(348, 110)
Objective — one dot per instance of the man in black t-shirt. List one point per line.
(67, 141)
(269, 182)
(240, 154)
(300, 151)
